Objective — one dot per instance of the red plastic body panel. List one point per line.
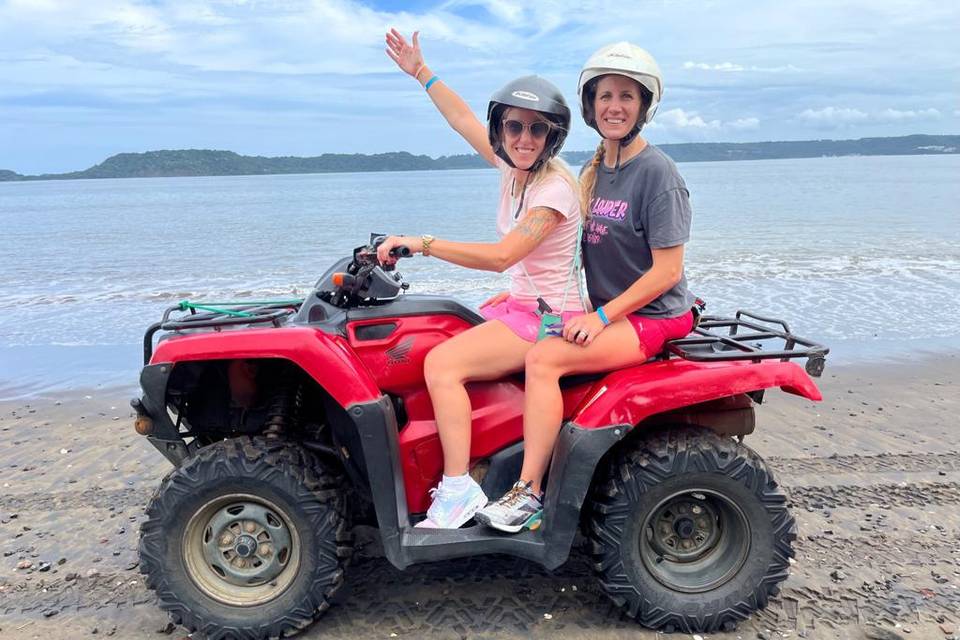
(328, 359)
(396, 361)
(396, 364)
(631, 395)
(497, 423)
(357, 370)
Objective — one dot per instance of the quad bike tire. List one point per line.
(246, 540)
(689, 531)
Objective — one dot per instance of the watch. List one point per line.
(425, 240)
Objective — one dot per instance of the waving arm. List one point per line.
(456, 112)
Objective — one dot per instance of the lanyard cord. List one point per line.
(523, 194)
(574, 264)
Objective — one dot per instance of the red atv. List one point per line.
(289, 422)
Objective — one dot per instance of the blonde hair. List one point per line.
(588, 181)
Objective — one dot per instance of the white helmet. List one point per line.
(625, 59)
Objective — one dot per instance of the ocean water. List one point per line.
(861, 253)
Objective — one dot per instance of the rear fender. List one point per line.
(632, 395)
(727, 416)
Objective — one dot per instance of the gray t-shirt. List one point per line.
(646, 207)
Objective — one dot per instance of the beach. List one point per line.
(872, 473)
(832, 245)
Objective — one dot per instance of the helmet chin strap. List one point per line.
(627, 139)
(624, 142)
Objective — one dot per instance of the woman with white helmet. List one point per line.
(639, 219)
(539, 222)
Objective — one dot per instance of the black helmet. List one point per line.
(537, 94)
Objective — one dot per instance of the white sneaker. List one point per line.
(452, 509)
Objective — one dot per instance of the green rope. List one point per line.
(215, 307)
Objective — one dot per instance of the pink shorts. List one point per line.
(521, 317)
(654, 332)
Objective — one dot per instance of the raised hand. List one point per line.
(407, 56)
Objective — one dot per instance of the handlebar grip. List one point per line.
(400, 252)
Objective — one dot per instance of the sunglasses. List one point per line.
(538, 129)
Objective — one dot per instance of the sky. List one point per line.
(83, 80)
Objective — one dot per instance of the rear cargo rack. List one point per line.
(743, 338)
(216, 315)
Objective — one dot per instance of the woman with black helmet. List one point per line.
(539, 223)
(639, 219)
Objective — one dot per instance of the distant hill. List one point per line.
(718, 151)
(202, 162)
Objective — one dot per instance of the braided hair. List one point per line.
(588, 181)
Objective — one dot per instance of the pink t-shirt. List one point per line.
(549, 264)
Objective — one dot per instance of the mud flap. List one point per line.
(574, 462)
(376, 423)
(164, 436)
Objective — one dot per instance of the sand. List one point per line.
(873, 475)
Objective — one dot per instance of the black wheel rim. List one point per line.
(694, 540)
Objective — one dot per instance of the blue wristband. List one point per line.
(603, 316)
(430, 82)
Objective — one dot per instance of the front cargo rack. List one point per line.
(743, 338)
(216, 315)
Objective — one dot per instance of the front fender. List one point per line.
(631, 395)
(326, 358)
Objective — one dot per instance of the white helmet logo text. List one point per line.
(526, 95)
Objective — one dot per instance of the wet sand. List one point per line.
(873, 475)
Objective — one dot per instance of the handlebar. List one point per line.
(376, 239)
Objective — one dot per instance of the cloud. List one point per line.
(723, 66)
(836, 117)
(895, 115)
(509, 12)
(733, 70)
(728, 67)
(680, 119)
(833, 116)
(690, 121)
(292, 37)
(745, 124)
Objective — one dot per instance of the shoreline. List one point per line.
(872, 474)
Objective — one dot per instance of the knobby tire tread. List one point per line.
(643, 466)
(248, 456)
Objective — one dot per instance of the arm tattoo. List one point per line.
(537, 223)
